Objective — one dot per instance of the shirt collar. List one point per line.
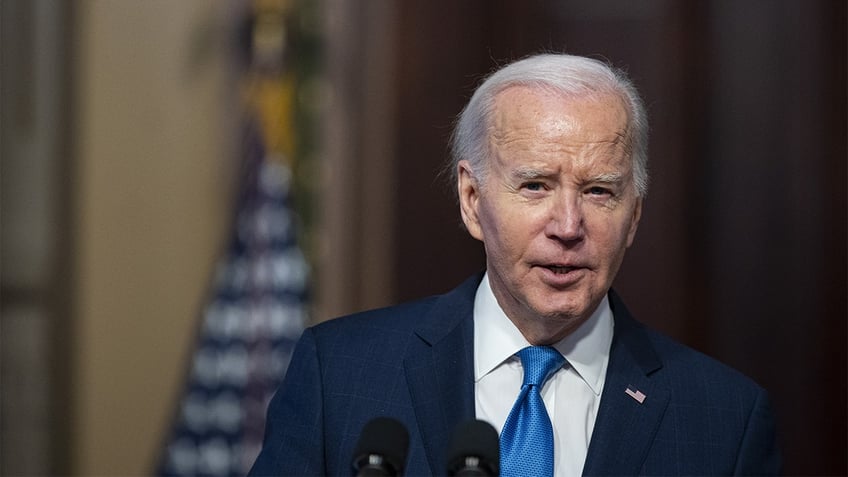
(496, 339)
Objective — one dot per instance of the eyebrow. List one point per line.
(529, 173)
(532, 173)
(609, 178)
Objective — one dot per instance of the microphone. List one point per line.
(474, 451)
(381, 450)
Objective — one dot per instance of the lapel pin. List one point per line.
(639, 396)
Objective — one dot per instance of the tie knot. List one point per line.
(539, 362)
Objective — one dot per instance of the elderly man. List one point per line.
(550, 163)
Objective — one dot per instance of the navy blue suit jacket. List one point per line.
(414, 362)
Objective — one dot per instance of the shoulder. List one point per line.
(717, 408)
(396, 318)
(428, 318)
(697, 370)
(683, 368)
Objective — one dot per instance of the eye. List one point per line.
(598, 191)
(534, 186)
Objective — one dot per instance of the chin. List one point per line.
(562, 313)
(556, 325)
(575, 308)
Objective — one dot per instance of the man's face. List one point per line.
(558, 207)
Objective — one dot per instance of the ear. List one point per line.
(634, 221)
(469, 199)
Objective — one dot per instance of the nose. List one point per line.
(566, 220)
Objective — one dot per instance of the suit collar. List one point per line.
(449, 311)
(439, 367)
(632, 404)
(632, 336)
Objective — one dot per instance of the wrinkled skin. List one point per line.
(556, 209)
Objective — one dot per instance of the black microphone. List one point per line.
(474, 451)
(381, 450)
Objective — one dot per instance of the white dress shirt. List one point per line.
(572, 395)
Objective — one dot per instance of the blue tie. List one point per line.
(527, 439)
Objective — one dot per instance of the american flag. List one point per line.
(255, 313)
(639, 396)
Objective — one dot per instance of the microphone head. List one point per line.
(474, 450)
(382, 448)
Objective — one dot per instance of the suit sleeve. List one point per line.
(758, 453)
(294, 443)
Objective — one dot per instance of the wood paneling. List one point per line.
(742, 248)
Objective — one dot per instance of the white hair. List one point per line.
(558, 73)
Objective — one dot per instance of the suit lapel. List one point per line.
(440, 371)
(632, 404)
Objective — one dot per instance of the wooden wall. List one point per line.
(741, 251)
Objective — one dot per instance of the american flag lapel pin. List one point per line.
(639, 396)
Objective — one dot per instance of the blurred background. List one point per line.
(185, 185)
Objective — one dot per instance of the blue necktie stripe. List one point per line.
(527, 439)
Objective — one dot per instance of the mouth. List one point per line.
(561, 269)
(561, 276)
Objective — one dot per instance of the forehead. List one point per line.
(523, 111)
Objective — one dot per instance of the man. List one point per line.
(550, 164)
